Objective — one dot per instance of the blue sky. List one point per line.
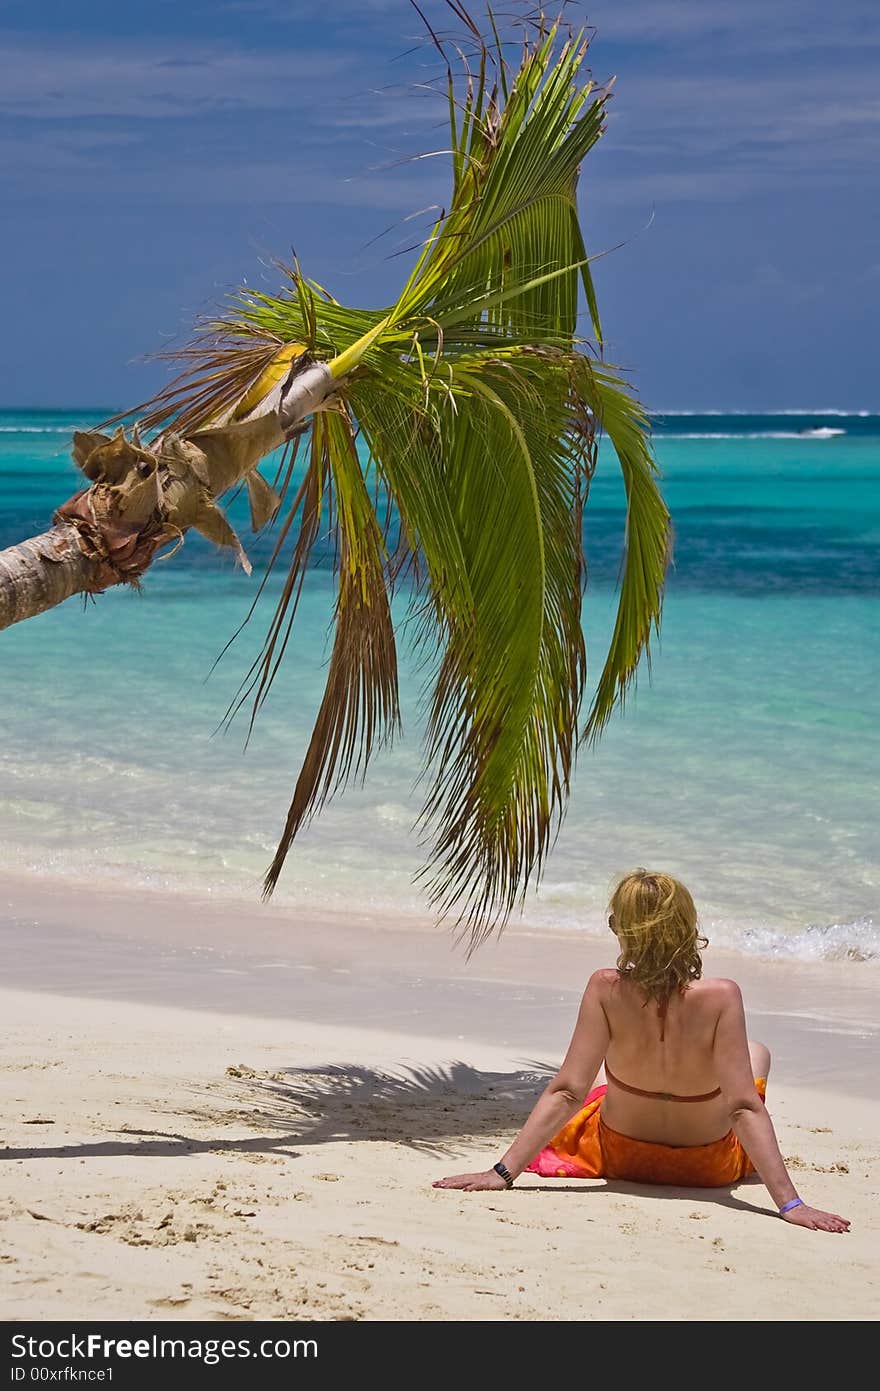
(153, 156)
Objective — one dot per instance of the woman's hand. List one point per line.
(473, 1183)
(814, 1217)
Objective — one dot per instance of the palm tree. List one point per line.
(449, 443)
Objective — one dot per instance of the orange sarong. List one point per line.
(587, 1148)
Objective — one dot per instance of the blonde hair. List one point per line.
(654, 918)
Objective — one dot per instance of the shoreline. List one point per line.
(821, 1020)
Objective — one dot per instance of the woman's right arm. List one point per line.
(562, 1097)
(749, 1116)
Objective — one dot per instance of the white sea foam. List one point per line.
(808, 411)
(858, 940)
(36, 429)
(748, 435)
(564, 906)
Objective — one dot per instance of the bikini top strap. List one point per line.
(658, 1096)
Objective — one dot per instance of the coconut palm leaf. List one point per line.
(360, 705)
(470, 407)
(648, 541)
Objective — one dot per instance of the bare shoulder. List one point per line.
(602, 981)
(717, 990)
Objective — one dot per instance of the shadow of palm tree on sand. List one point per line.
(430, 1109)
(423, 1108)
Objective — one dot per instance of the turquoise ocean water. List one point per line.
(747, 765)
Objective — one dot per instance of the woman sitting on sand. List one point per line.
(681, 1098)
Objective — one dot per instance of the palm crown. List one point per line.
(472, 406)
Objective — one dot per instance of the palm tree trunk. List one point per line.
(143, 498)
(41, 572)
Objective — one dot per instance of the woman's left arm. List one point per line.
(559, 1101)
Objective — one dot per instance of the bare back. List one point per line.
(682, 1062)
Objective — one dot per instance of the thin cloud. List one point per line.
(720, 135)
(48, 83)
(752, 26)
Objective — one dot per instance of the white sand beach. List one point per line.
(217, 1112)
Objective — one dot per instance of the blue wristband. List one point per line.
(792, 1202)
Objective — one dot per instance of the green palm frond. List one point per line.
(648, 537)
(476, 407)
(513, 214)
(503, 726)
(360, 708)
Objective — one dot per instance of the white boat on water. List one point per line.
(821, 432)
